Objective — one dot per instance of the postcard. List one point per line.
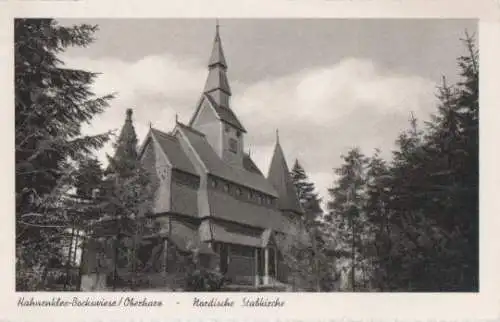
(317, 160)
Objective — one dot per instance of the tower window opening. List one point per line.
(233, 145)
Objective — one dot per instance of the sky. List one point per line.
(328, 85)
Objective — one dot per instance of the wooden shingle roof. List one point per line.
(280, 178)
(217, 167)
(225, 114)
(174, 152)
(227, 207)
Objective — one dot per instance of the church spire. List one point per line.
(217, 56)
(279, 176)
(217, 84)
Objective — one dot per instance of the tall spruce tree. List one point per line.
(346, 212)
(427, 197)
(51, 104)
(306, 192)
(89, 178)
(313, 261)
(377, 246)
(128, 197)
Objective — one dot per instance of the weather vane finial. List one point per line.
(277, 135)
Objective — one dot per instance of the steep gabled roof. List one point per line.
(280, 178)
(174, 152)
(225, 114)
(249, 165)
(219, 168)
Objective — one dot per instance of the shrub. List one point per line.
(204, 280)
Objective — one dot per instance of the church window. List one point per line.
(238, 192)
(250, 195)
(214, 183)
(226, 187)
(240, 250)
(259, 199)
(238, 133)
(233, 145)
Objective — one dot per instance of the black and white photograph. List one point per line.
(246, 155)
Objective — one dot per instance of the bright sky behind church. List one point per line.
(327, 85)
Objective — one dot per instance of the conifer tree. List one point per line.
(310, 252)
(51, 104)
(128, 197)
(377, 245)
(427, 197)
(308, 198)
(346, 210)
(88, 178)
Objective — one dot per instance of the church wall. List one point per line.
(232, 146)
(184, 194)
(148, 161)
(203, 207)
(208, 124)
(164, 173)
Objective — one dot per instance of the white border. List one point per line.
(299, 306)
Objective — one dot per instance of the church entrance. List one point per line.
(260, 266)
(272, 263)
(224, 258)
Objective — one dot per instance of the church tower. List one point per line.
(214, 116)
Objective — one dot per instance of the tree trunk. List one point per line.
(134, 258)
(353, 258)
(315, 262)
(389, 248)
(80, 267)
(115, 262)
(70, 257)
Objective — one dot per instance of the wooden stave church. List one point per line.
(212, 199)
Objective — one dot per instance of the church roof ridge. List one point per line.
(189, 128)
(167, 135)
